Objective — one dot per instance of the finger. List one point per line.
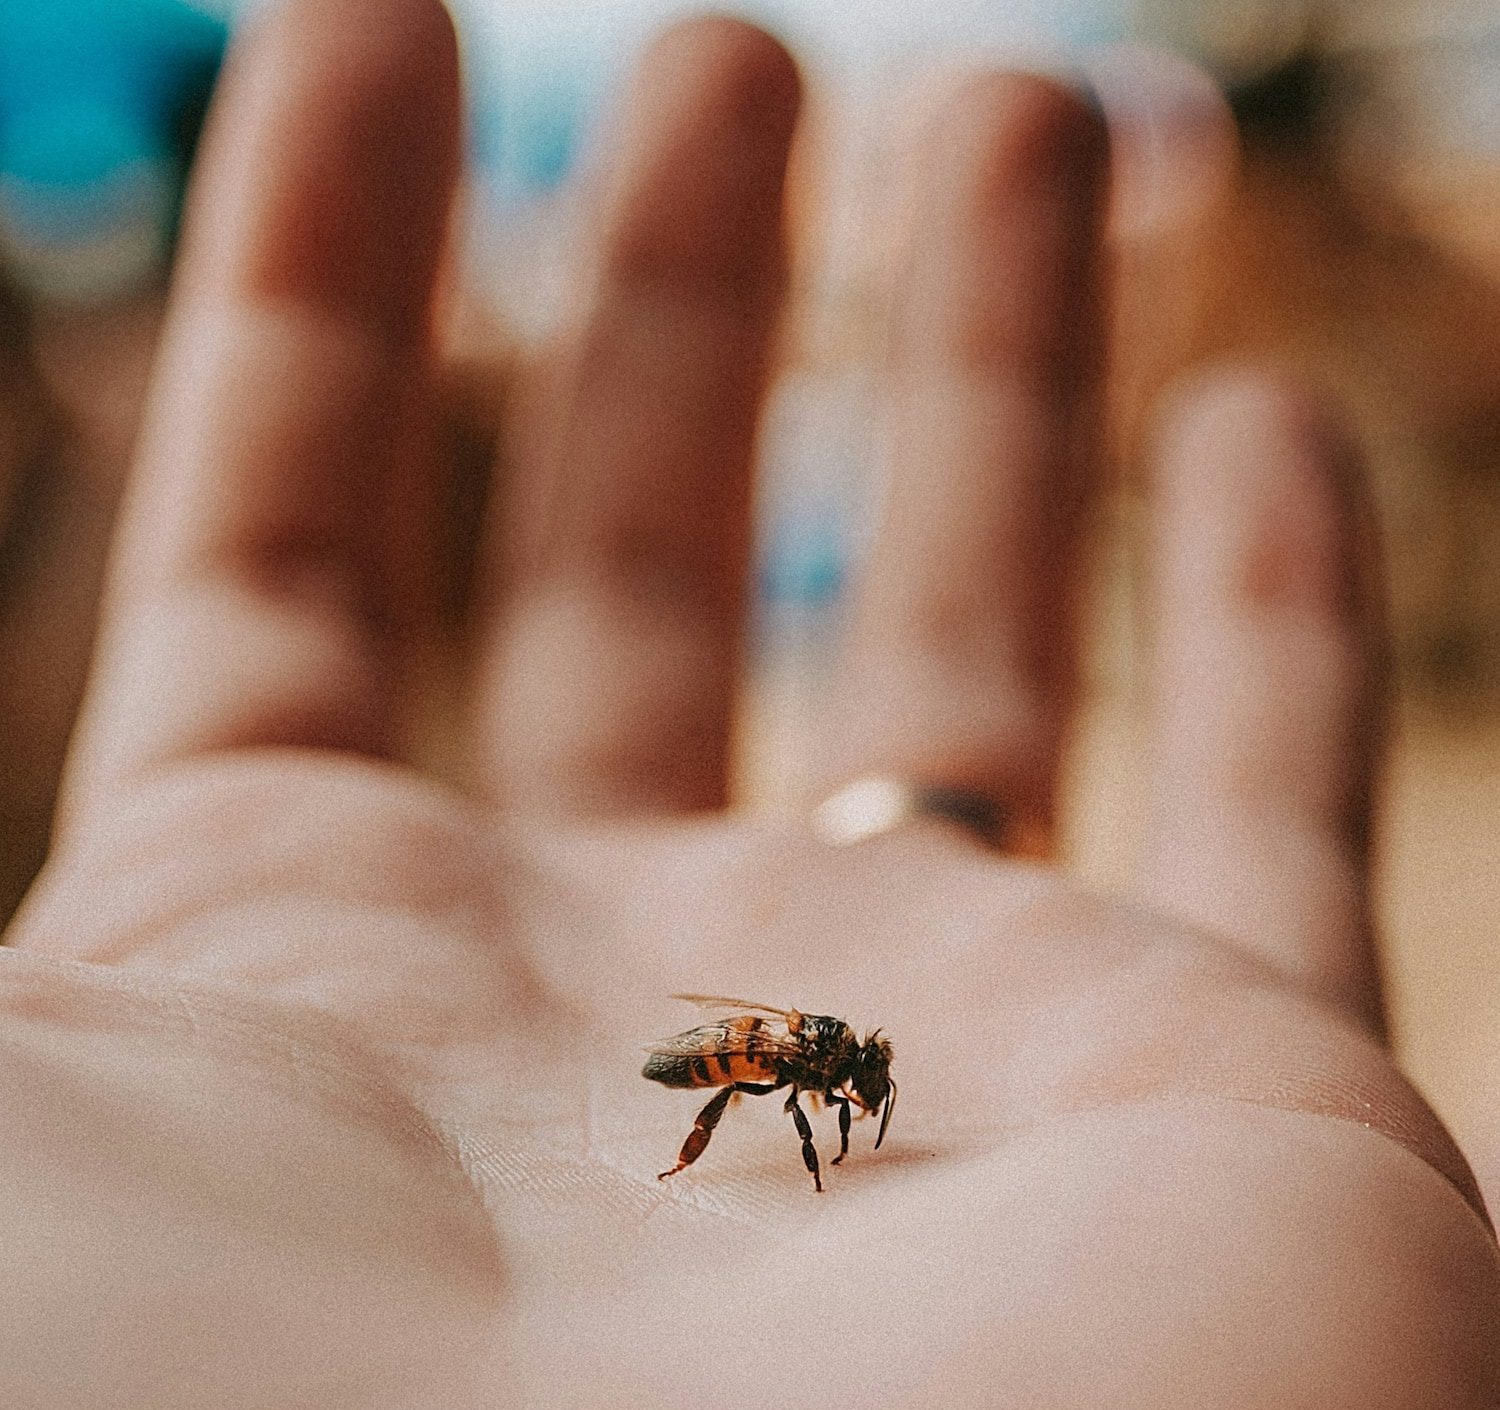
(959, 665)
(1174, 152)
(611, 676)
(252, 600)
(1267, 701)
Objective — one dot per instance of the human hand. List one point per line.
(321, 1079)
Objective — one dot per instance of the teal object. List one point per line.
(100, 101)
(530, 125)
(805, 557)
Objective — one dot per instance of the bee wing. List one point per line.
(718, 1001)
(714, 1038)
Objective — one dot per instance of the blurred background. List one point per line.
(1315, 185)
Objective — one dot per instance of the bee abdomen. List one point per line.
(706, 1069)
(672, 1071)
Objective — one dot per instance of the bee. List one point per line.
(755, 1049)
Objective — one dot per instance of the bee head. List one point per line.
(871, 1079)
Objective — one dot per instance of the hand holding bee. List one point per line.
(322, 1075)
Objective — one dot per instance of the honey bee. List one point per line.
(759, 1050)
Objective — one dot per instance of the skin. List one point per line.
(320, 1077)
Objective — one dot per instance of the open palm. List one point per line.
(323, 1077)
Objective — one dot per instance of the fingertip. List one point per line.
(385, 47)
(1004, 205)
(1021, 130)
(331, 160)
(735, 71)
(1173, 143)
(420, 30)
(696, 175)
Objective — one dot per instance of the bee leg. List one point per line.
(703, 1130)
(843, 1106)
(809, 1151)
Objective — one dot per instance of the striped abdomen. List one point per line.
(708, 1069)
(736, 1050)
